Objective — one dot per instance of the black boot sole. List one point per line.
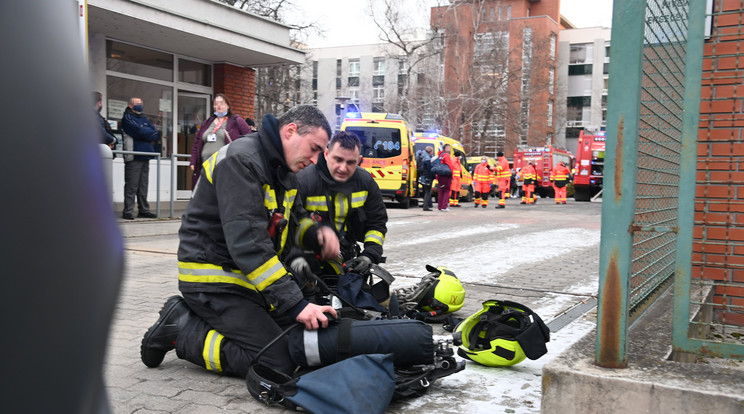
(151, 356)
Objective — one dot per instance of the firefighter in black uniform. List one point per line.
(348, 199)
(236, 233)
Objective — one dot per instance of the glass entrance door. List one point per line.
(193, 109)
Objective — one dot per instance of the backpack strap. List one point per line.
(343, 347)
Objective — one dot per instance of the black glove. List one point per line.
(301, 270)
(360, 264)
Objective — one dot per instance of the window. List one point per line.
(354, 95)
(551, 80)
(550, 113)
(378, 93)
(134, 60)
(508, 12)
(353, 67)
(379, 65)
(156, 99)
(338, 68)
(353, 80)
(194, 72)
(581, 53)
(579, 70)
(402, 65)
(483, 45)
(552, 45)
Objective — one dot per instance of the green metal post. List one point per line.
(618, 201)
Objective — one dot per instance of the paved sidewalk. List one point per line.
(549, 284)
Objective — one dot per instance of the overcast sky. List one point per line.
(350, 22)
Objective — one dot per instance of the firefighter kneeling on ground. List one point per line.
(529, 175)
(482, 178)
(560, 177)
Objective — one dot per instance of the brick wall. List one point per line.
(718, 252)
(239, 85)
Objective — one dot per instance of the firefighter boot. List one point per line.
(161, 337)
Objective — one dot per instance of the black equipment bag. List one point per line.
(360, 384)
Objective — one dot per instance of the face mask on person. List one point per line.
(483, 161)
(220, 114)
(138, 108)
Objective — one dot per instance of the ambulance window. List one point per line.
(378, 142)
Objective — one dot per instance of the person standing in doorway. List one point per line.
(139, 135)
(107, 135)
(218, 130)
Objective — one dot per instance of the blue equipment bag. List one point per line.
(362, 384)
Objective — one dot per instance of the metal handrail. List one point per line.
(173, 178)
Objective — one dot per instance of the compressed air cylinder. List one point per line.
(410, 341)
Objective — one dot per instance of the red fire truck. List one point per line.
(544, 159)
(589, 166)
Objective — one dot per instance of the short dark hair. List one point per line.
(306, 117)
(499, 154)
(250, 122)
(345, 139)
(97, 97)
(227, 101)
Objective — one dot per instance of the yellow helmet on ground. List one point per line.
(503, 333)
(446, 295)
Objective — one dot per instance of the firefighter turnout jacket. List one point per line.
(354, 209)
(483, 178)
(503, 172)
(246, 191)
(560, 175)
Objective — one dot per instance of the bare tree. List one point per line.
(414, 53)
(495, 96)
(278, 87)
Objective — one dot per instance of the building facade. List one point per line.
(583, 80)
(364, 78)
(176, 55)
(499, 64)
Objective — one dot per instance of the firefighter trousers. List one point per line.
(560, 194)
(228, 331)
(503, 190)
(529, 193)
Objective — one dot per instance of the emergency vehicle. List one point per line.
(544, 159)
(589, 165)
(387, 151)
(422, 140)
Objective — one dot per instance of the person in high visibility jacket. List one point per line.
(339, 193)
(242, 224)
(529, 176)
(454, 199)
(560, 177)
(503, 179)
(482, 180)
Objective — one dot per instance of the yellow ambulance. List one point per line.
(387, 152)
(422, 140)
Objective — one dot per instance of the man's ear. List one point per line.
(289, 130)
(361, 158)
